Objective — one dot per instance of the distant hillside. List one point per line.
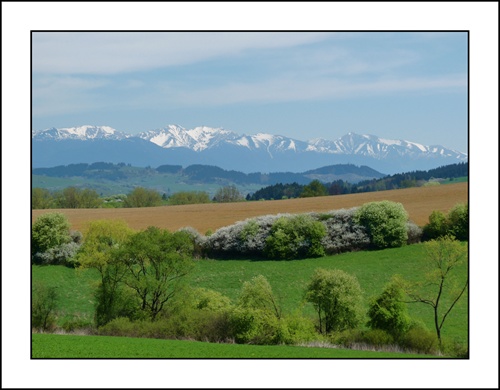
(342, 187)
(107, 178)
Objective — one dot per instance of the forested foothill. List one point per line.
(142, 287)
(228, 184)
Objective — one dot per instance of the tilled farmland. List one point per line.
(419, 203)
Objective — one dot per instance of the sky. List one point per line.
(303, 85)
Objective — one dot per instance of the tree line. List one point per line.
(74, 197)
(341, 187)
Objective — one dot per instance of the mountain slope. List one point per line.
(247, 153)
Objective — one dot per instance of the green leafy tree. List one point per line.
(458, 222)
(142, 197)
(314, 188)
(258, 294)
(44, 302)
(437, 226)
(89, 199)
(337, 298)
(41, 198)
(455, 223)
(389, 312)
(228, 194)
(157, 262)
(295, 237)
(385, 222)
(102, 240)
(189, 197)
(49, 231)
(444, 282)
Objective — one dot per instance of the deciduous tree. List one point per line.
(337, 298)
(444, 281)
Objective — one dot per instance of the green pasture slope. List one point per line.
(71, 346)
(287, 278)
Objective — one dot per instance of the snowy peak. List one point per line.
(230, 150)
(379, 148)
(86, 132)
(198, 139)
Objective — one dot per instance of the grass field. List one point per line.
(288, 279)
(71, 346)
(419, 203)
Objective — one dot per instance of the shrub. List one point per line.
(419, 339)
(142, 197)
(64, 254)
(385, 222)
(336, 297)
(44, 302)
(254, 326)
(244, 238)
(197, 239)
(49, 231)
(455, 223)
(458, 222)
(377, 338)
(258, 294)
(414, 233)
(388, 312)
(342, 233)
(189, 197)
(437, 226)
(295, 237)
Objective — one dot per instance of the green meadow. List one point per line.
(72, 346)
(288, 279)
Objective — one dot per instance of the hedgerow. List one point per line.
(292, 236)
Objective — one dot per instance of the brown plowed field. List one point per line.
(418, 202)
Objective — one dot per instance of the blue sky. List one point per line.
(302, 85)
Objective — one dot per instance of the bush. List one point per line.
(44, 302)
(388, 312)
(142, 197)
(244, 238)
(342, 233)
(64, 254)
(414, 233)
(189, 197)
(49, 231)
(455, 223)
(336, 297)
(377, 338)
(437, 226)
(419, 339)
(295, 237)
(385, 222)
(458, 222)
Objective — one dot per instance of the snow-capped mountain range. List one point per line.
(229, 150)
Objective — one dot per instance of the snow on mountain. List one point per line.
(379, 148)
(85, 132)
(261, 151)
(197, 139)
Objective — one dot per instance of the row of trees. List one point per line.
(374, 225)
(143, 288)
(340, 187)
(73, 197)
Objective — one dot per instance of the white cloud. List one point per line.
(112, 52)
(290, 89)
